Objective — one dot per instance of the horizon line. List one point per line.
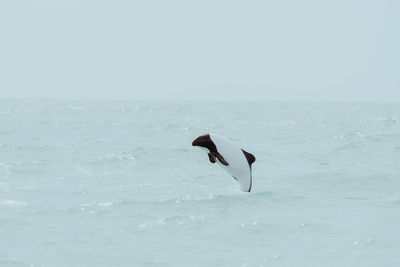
(101, 99)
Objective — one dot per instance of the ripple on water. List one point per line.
(12, 203)
(172, 220)
(357, 145)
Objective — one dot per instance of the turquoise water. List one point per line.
(117, 183)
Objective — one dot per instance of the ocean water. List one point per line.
(117, 183)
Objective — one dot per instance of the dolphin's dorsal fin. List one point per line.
(211, 158)
(250, 157)
(221, 159)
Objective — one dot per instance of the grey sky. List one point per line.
(254, 50)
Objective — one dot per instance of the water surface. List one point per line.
(117, 183)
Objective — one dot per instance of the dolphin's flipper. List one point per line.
(221, 159)
(211, 157)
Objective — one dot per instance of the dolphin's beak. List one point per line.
(196, 142)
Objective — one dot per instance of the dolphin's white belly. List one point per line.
(238, 166)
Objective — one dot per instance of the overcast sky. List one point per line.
(290, 50)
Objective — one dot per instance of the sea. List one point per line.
(118, 183)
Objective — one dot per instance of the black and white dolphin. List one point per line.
(230, 157)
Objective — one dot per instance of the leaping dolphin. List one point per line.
(229, 156)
